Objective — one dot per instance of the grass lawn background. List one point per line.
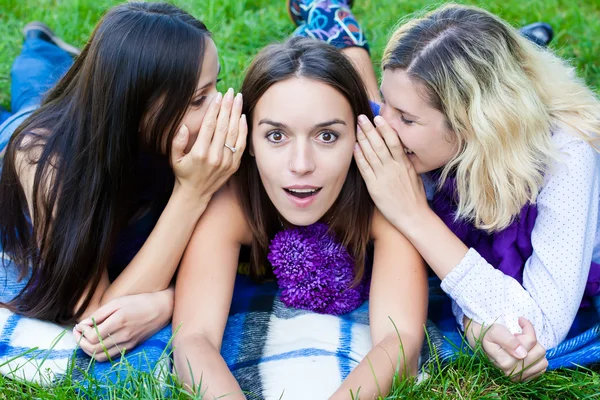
(240, 28)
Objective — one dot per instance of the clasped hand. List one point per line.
(520, 356)
(123, 323)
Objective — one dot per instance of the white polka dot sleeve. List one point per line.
(564, 240)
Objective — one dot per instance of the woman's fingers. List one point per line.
(207, 129)
(530, 368)
(533, 365)
(391, 139)
(102, 313)
(527, 336)
(180, 142)
(114, 352)
(537, 370)
(363, 165)
(376, 143)
(110, 352)
(217, 144)
(240, 143)
(367, 150)
(95, 347)
(96, 334)
(233, 130)
(501, 336)
(502, 348)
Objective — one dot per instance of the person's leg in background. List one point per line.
(4, 115)
(332, 21)
(43, 60)
(539, 33)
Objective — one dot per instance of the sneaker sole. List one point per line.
(55, 39)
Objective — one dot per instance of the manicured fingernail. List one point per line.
(379, 120)
(238, 99)
(243, 119)
(229, 94)
(521, 352)
(362, 119)
(219, 98)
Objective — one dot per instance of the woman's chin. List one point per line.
(301, 218)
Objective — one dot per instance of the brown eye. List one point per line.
(328, 137)
(275, 137)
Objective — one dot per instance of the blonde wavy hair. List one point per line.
(502, 97)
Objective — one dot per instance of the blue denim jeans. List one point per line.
(39, 66)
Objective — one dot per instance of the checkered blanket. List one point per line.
(273, 351)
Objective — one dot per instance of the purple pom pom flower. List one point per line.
(314, 271)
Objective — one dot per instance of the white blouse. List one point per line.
(565, 240)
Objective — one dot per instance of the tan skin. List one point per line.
(206, 277)
(139, 301)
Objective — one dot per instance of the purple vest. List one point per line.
(506, 250)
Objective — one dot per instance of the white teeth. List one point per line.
(407, 151)
(303, 190)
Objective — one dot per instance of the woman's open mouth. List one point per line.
(302, 196)
(302, 193)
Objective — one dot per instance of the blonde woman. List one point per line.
(499, 135)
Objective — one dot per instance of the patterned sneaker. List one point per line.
(330, 21)
(299, 9)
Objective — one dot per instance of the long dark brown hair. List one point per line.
(350, 216)
(137, 73)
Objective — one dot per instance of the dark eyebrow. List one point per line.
(328, 123)
(316, 126)
(273, 123)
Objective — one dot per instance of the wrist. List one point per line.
(190, 200)
(417, 223)
(168, 300)
(163, 303)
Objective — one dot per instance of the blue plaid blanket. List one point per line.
(271, 349)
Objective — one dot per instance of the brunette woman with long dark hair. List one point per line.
(103, 184)
(302, 99)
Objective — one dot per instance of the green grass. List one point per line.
(240, 28)
(469, 376)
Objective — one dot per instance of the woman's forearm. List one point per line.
(153, 267)
(375, 373)
(196, 353)
(437, 244)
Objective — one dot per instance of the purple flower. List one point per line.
(314, 271)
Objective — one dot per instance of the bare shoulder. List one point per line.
(224, 215)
